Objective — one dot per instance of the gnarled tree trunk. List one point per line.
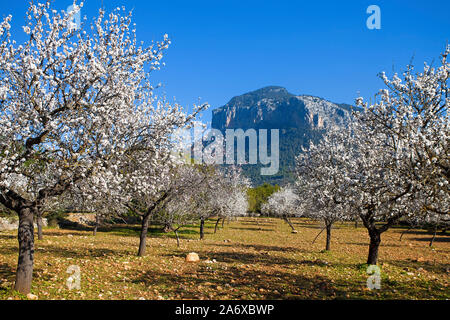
(143, 236)
(217, 222)
(25, 263)
(375, 240)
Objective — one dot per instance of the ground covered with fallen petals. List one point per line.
(252, 258)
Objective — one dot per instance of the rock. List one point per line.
(32, 296)
(192, 257)
(294, 231)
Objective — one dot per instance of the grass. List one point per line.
(257, 258)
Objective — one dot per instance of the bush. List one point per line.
(54, 217)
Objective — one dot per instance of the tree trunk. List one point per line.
(328, 245)
(143, 236)
(95, 226)
(285, 218)
(178, 238)
(401, 236)
(25, 237)
(375, 240)
(202, 227)
(434, 236)
(223, 221)
(39, 226)
(215, 228)
(356, 224)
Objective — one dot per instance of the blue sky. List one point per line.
(221, 49)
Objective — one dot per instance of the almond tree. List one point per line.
(413, 111)
(409, 128)
(228, 198)
(284, 204)
(392, 161)
(187, 198)
(71, 99)
(367, 179)
(320, 185)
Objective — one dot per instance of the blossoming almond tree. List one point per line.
(409, 129)
(229, 198)
(284, 204)
(370, 179)
(223, 194)
(392, 161)
(320, 185)
(72, 99)
(414, 112)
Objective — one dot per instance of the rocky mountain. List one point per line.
(300, 118)
(274, 107)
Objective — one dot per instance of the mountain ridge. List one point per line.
(300, 118)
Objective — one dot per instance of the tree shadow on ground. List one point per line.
(257, 223)
(7, 272)
(437, 239)
(70, 253)
(429, 266)
(256, 228)
(61, 234)
(198, 281)
(153, 231)
(235, 283)
(366, 244)
(258, 247)
(7, 236)
(307, 225)
(72, 225)
(263, 258)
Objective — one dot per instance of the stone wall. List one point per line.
(13, 224)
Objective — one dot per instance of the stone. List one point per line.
(192, 257)
(32, 296)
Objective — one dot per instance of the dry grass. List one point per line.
(256, 259)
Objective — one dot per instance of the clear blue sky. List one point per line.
(225, 48)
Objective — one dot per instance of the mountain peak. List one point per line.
(300, 118)
(275, 107)
(270, 90)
